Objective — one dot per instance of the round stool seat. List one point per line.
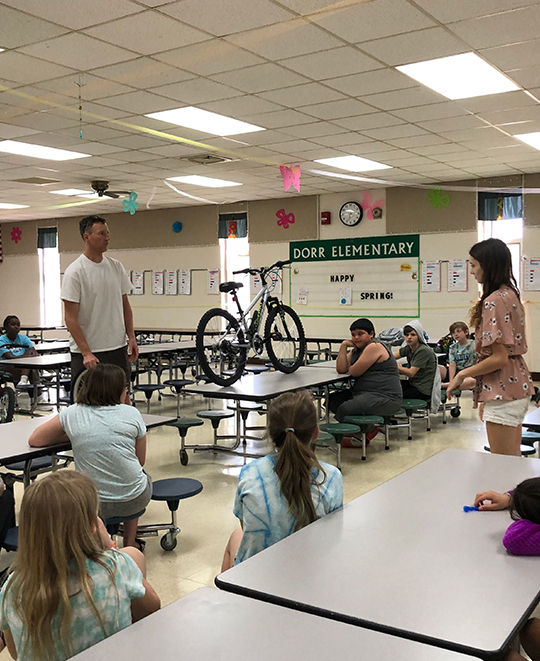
(325, 437)
(339, 429)
(256, 369)
(414, 404)
(215, 417)
(530, 437)
(185, 423)
(176, 488)
(202, 378)
(148, 388)
(28, 387)
(11, 542)
(117, 520)
(36, 464)
(444, 396)
(246, 406)
(365, 421)
(525, 450)
(177, 384)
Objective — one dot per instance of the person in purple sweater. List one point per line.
(521, 538)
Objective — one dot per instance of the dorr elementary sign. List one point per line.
(373, 247)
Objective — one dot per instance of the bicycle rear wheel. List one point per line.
(285, 339)
(7, 404)
(220, 347)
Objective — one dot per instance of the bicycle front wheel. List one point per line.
(221, 350)
(7, 404)
(285, 339)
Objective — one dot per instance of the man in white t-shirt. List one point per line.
(97, 311)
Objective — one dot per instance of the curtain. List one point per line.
(499, 206)
(47, 237)
(232, 225)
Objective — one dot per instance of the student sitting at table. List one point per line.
(461, 354)
(70, 588)
(521, 538)
(285, 491)
(422, 372)
(375, 389)
(108, 438)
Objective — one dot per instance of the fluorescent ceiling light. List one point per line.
(2, 50)
(532, 139)
(353, 163)
(459, 76)
(204, 120)
(73, 191)
(204, 181)
(5, 205)
(38, 151)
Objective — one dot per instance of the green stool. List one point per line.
(530, 437)
(337, 430)
(215, 418)
(365, 422)
(415, 406)
(183, 424)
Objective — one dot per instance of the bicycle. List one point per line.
(7, 398)
(223, 340)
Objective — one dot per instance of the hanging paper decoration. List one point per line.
(437, 198)
(233, 229)
(285, 219)
(369, 207)
(291, 176)
(16, 234)
(177, 227)
(131, 203)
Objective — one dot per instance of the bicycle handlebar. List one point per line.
(264, 269)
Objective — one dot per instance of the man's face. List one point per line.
(97, 237)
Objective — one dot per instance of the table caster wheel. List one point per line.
(168, 542)
(184, 458)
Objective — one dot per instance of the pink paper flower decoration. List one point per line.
(285, 219)
(16, 234)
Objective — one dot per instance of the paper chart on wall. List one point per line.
(345, 296)
(255, 283)
(531, 274)
(431, 276)
(302, 296)
(184, 284)
(172, 283)
(457, 275)
(157, 282)
(137, 280)
(212, 281)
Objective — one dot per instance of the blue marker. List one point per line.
(468, 508)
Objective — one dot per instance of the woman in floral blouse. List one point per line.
(503, 381)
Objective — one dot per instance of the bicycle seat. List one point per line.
(226, 287)
(5, 376)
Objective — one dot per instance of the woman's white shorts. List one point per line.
(503, 412)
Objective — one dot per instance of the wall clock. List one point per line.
(351, 214)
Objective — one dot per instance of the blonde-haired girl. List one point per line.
(69, 588)
(285, 491)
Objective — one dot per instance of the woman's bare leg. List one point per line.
(503, 439)
(231, 550)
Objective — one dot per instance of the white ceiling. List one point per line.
(317, 74)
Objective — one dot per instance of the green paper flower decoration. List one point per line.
(438, 199)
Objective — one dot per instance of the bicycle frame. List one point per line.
(244, 318)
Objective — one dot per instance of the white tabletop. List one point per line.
(166, 347)
(209, 624)
(407, 559)
(52, 347)
(264, 386)
(532, 419)
(14, 437)
(49, 361)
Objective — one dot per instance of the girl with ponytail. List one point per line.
(287, 490)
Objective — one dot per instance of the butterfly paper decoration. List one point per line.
(291, 176)
(368, 206)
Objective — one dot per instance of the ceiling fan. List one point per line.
(102, 188)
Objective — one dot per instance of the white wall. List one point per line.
(19, 288)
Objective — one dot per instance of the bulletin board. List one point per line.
(374, 277)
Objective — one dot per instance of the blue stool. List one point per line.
(183, 424)
(526, 450)
(176, 386)
(11, 542)
(113, 524)
(148, 389)
(171, 490)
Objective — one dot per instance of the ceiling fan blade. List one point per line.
(110, 193)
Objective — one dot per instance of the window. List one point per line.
(235, 257)
(509, 230)
(49, 277)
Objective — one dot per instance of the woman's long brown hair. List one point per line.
(292, 420)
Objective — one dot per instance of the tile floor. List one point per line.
(207, 519)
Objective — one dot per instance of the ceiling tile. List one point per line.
(342, 139)
(91, 87)
(388, 132)
(515, 116)
(418, 141)
(512, 56)
(139, 102)
(78, 51)
(506, 101)
(96, 133)
(240, 106)
(25, 69)
(10, 132)
(412, 47)
(372, 82)
(147, 33)
(225, 17)
(20, 29)
(458, 10)
(200, 90)
(279, 119)
(452, 123)
(75, 14)
(302, 95)
(527, 78)
(407, 98)
(260, 78)
(500, 29)
(313, 130)
(373, 121)
(330, 63)
(210, 57)
(290, 39)
(143, 73)
(431, 111)
(337, 109)
(44, 121)
(367, 21)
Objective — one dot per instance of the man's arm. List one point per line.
(343, 360)
(71, 316)
(49, 433)
(133, 349)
